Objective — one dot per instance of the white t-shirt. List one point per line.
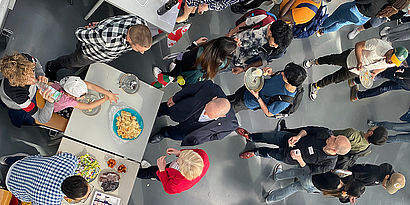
(373, 56)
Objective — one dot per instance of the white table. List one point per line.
(146, 9)
(126, 181)
(95, 130)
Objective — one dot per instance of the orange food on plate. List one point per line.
(122, 169)
(111, 163)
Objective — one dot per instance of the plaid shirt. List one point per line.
(217, 5)
(106, 41)
(38, 179)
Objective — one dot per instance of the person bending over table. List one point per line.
(203, 113)
(74, 89)
(181, 174)
(45, 180)
(18, 89)
(104, 41)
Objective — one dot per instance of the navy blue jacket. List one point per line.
(189, 104)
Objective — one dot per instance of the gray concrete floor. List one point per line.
(45, 30)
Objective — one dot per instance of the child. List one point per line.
(74, 90)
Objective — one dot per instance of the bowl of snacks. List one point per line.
(109, 180)
(88, 167)
(366, 79)
(127, 124)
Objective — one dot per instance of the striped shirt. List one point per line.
(107, 40)
(21, 98)
(38, 179)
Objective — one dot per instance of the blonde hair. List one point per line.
(17, 69)
(140, 35)
(190, 164)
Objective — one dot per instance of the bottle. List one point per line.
(180, 80)
(166, 7)
(55, 94)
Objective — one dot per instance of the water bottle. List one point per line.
(55, 94)
(166, 7)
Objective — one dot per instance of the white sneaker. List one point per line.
(276, 170)
(313, 92)
(352, 34)
(145, 164)
(4, 158)
(384, 31)
(156, 71)
(309, 63)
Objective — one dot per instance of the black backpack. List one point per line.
(294, 102)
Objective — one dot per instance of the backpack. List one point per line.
(307, 29)
(294, 102)
(256, 12)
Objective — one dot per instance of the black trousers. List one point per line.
(72, 61)
(150, 172)
(237, 100)
(340, 75)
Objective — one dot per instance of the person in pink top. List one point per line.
(74, 89)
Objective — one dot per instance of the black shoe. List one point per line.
(282, 125)
(156, 138)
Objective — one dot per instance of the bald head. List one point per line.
(217, 107)
(339, 145)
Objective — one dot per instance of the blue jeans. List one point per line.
(394, 83)
(345, 14)
(304, 183)
(398, 127)
(278, 138)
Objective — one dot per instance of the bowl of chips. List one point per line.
(127, 124)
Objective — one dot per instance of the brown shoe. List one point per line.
(242, 132)
(246, 155)
(353, 93)
(351, 82)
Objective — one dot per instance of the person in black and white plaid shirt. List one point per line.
(104, 41)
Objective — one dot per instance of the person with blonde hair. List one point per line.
(18, 89)
(182, 173)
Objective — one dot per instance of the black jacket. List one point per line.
(369, 174)
(189, 104)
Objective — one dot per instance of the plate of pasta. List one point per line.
(127, 124)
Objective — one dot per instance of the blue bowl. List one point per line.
(133, 113)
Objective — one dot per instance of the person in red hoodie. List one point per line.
(180, 174)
